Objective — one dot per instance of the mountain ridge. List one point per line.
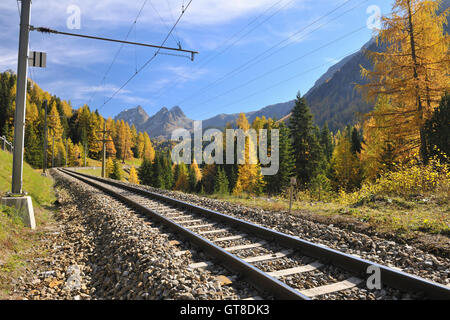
(333, 99)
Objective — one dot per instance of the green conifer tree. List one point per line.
(305, 144)
(116, 173)
(221, 183)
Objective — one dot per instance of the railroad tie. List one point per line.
(200, 226)
(271, 256)
(245, 246)
(300, 269)
(190, 221)
(330, 288)
(212, 231)
(228, 238)
(180, 217)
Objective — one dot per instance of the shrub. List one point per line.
(410, 178)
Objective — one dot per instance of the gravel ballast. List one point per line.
(372, 247)
(101, 249)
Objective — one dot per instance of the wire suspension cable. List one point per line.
(285, 64)
(252, 61)
(149, 60)
(280, 82)
(230, 44)
(119, 50)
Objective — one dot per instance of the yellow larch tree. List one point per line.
(249, 178)
(140, 145)
(196, 169)
(413, 72)
(345, 164)
(149, 152)
(133, 178)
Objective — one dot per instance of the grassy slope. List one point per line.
(16, 241)
(37, 186)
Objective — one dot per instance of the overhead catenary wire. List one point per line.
(149, 60)
(281, 82)
(178, 41)
(284, 65)
(211, 57)
(120, 48)
(254, 60)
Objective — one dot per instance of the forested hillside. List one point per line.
(72, 133)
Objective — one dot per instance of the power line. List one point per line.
(164, 23)
(120, 48)
(285, 64)
(252, 61)
(205, 61)
(281, 82)
(149, 60)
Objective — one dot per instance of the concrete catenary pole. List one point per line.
(67, 150)
(85, 152)
(53, 150)
(104, 150)
(19, 117)
(44, 163)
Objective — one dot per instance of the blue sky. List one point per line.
(210, 85)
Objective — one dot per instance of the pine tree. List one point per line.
(95, 124)
(196, 171)
(387, 157)
(109, 167)
(182, 183)
(192, 180)
(33, 147)
(380, 149)
(221, 183)
(111, 150)
(208, 178)
(306, 147)
(158, 178)
(437, 132)
(326, 141)
(145, 172)
(356, 141)
(167, 175)
(116, 173)
(278, 182)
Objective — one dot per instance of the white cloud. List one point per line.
(117, 12)
(186, 73)
(8, 60)
(332, 60)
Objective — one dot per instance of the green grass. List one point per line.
(40, 188)
(136, 162)
(15, 238)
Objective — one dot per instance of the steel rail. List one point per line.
(260, 279)
(389, 276)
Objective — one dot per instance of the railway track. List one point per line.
(284, 266)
